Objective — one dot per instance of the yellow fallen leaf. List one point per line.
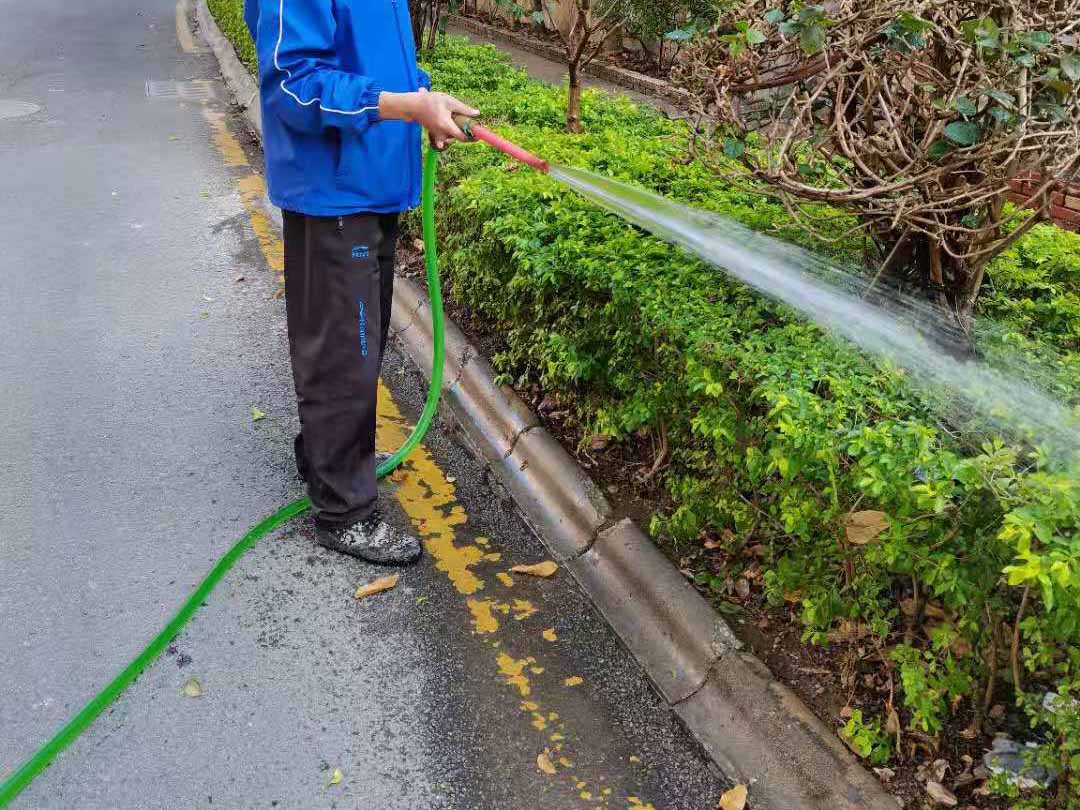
(863, 527)
(505, 579)
(377, 586)
(734, 799)
(543, 762)
(549, 634)
(574, 680)
(543, 569)
(335, 777)
(192, 688)
(256, 414)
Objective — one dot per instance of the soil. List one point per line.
(846, 674)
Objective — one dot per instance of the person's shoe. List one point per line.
(371, 539)
(381, 458)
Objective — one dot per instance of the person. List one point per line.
(343, 107)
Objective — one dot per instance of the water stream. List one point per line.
(824, 294)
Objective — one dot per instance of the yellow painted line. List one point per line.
(427, 496)
(183, 30)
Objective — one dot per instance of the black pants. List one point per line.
(339, 280)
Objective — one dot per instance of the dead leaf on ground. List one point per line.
(599, 442)
(862, 527)
(377, 586)
(734, 799)
(192, 688)
(335, 777)
(543, 762)
(941, 794)
(279, 293)
(543, 569)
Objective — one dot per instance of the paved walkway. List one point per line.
(139, 329)
(552, 72)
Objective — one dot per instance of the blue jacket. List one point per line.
(322, 65)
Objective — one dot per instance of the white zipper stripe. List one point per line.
(288, 74)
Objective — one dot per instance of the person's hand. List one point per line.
(433, 111)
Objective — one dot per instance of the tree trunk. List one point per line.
(436, 22)
(573, 100)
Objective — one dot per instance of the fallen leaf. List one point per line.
(863, 527)
(892, 722)
(885, 774)
(238, 279)
(280, 293)
(335, 778)
(941, 794)
(734, 799)
(543, 762)
(574, 680)
(192, 688)
(377, 586)
(421, 599)
(549, 634)
(543, 569)
(599, 442)
(256, 414)
(450, 479)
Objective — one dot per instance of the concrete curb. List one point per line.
(630, 79)
(755, 728)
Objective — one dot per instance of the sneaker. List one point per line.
(381, 458)
(371, 539)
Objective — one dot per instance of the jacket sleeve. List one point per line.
(302, 83)
(251, 17)
(425, 78)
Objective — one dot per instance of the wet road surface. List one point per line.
(140, 328)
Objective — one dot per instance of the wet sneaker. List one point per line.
(371, 539)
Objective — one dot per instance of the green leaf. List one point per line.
(256, 414)
(538, 17)
(964, 133)
(965, 106)
(774, 16)
(812, 39)
(1070, 66)
(734, 148)
(938, 149)
(1002, 115)
(754, 37)
(680, 34)
(1000, 96)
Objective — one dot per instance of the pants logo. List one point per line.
(360, 252)
(363, 329)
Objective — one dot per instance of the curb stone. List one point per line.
(752, 726)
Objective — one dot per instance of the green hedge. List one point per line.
(230, 18)
(779, 432)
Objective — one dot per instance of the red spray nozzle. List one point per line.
(476, 132)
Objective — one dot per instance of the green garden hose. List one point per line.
(29, 770)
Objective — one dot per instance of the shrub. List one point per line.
(913, 116)
(230, 18)
(777, 432)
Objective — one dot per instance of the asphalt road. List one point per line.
(139, 328)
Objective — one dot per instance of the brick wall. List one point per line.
(1064, 202)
